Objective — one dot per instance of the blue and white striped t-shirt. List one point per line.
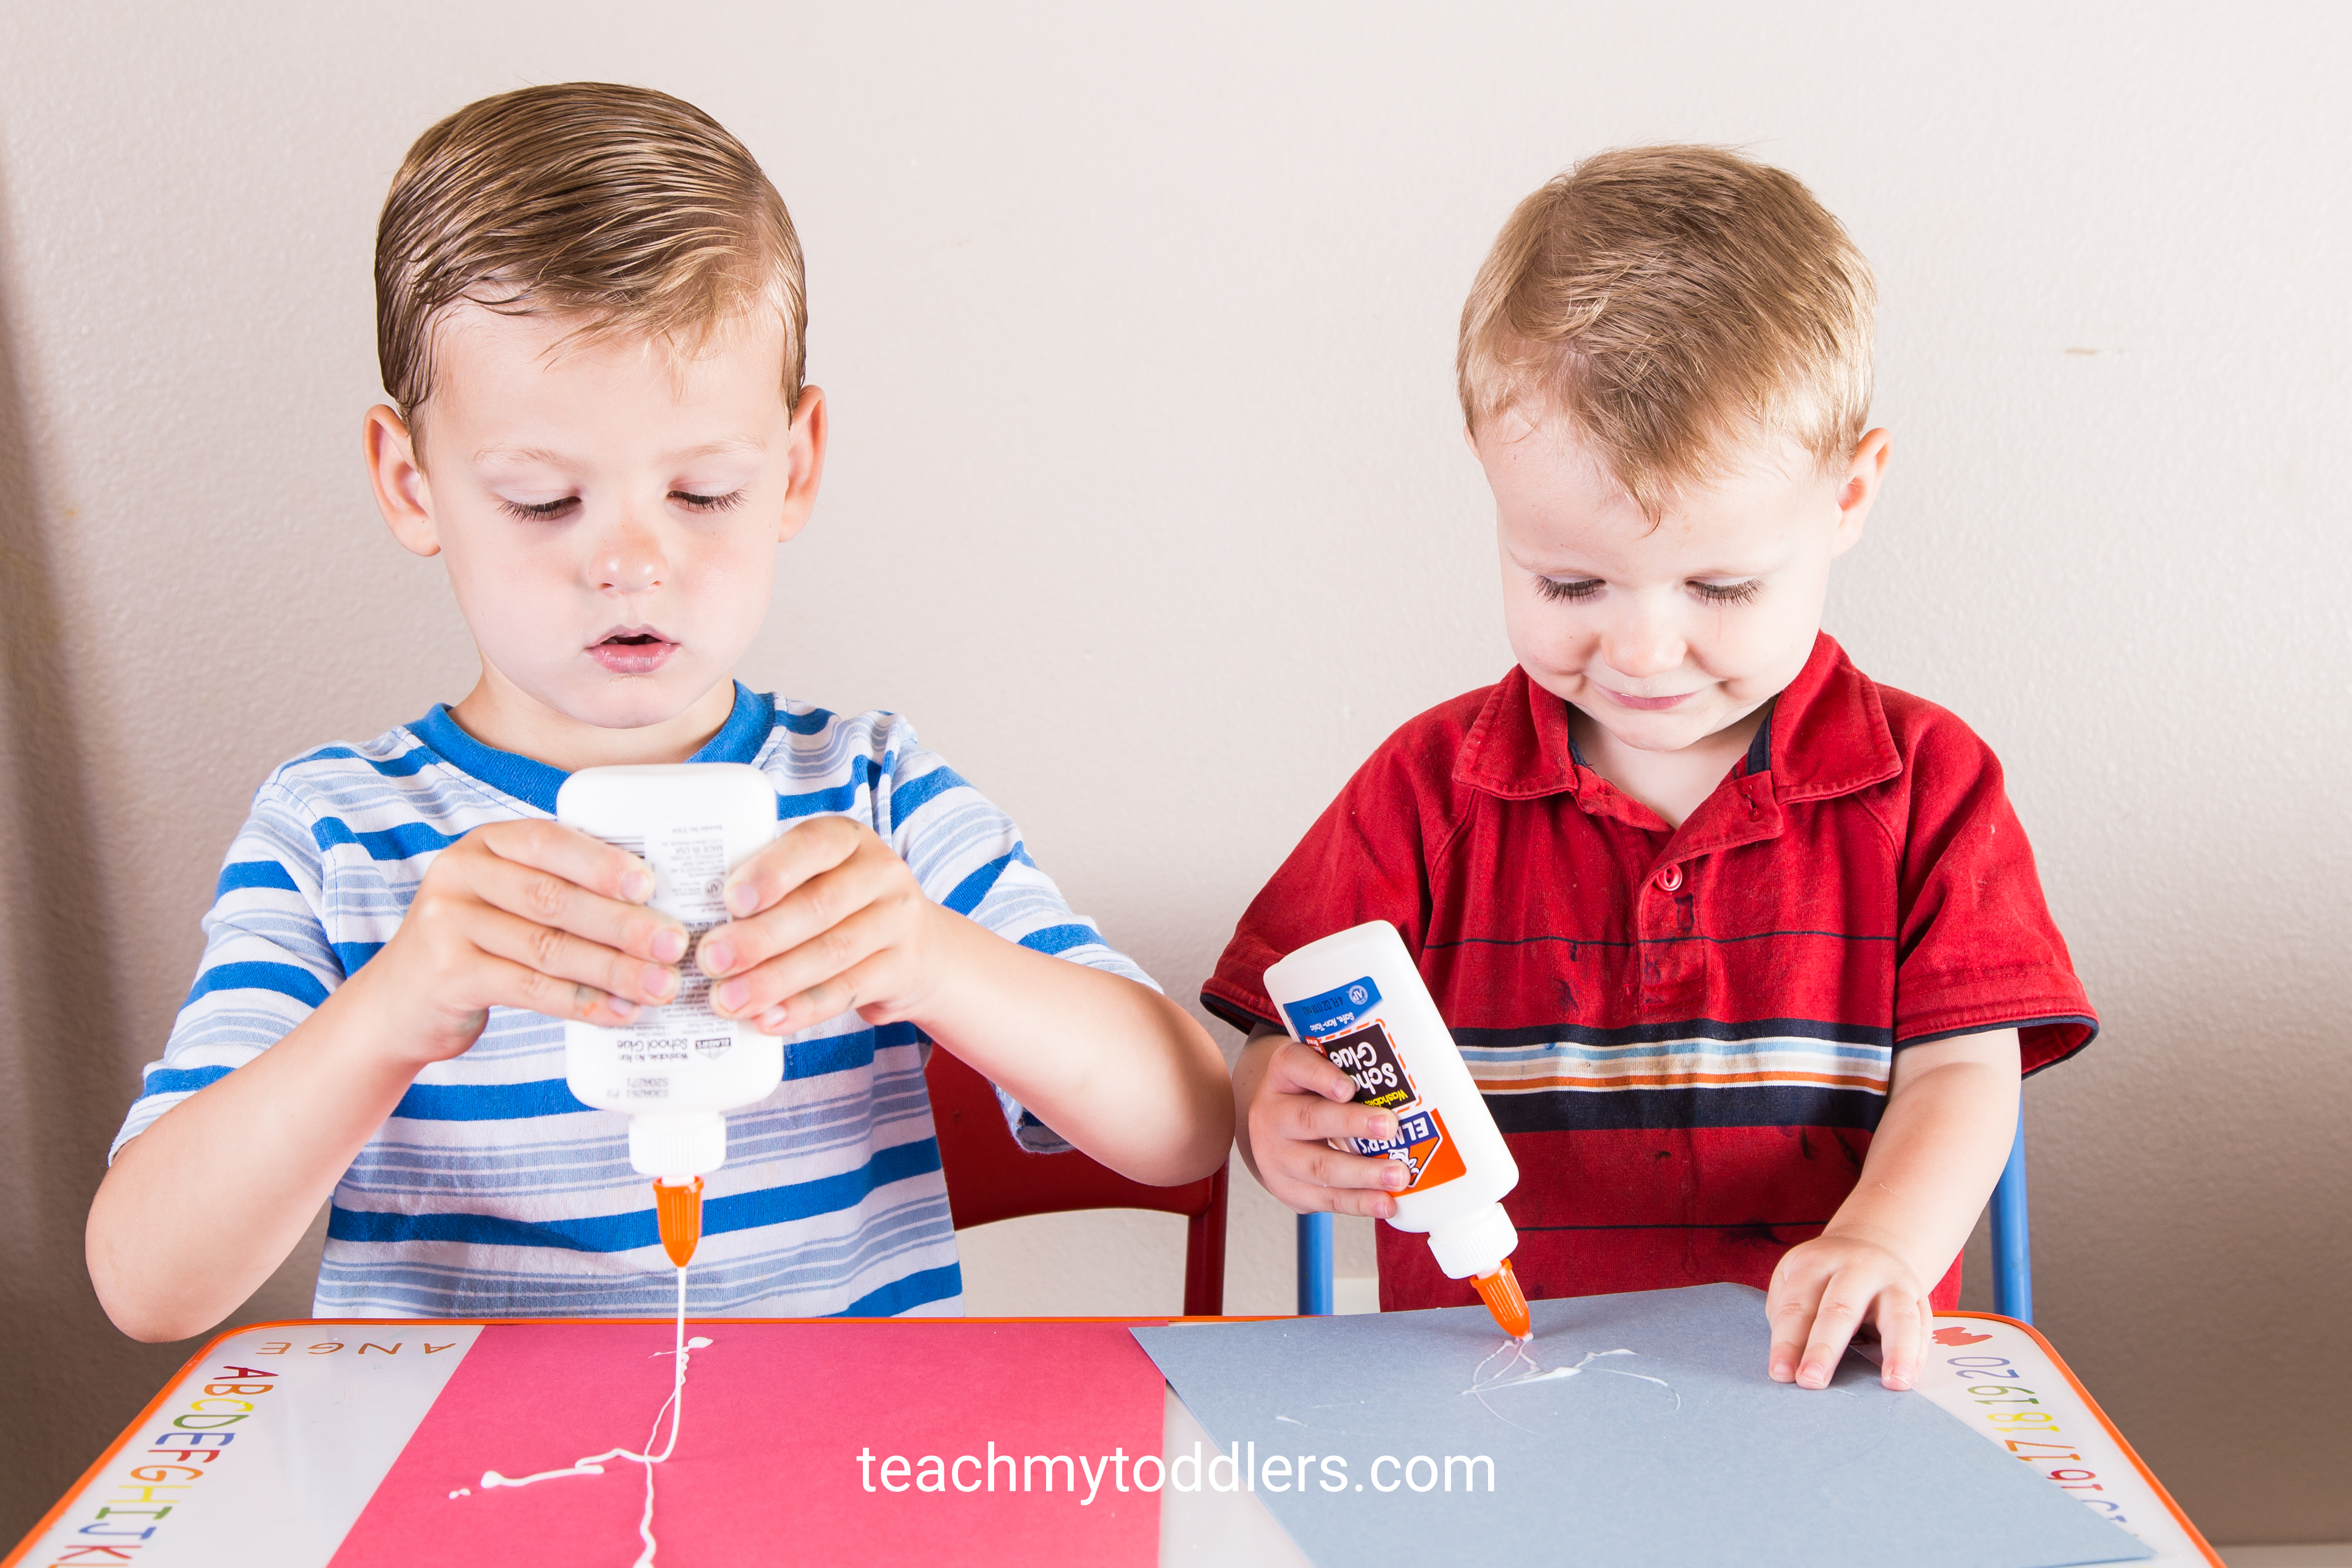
(490, 1191)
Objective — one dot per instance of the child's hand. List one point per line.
(527, 914)
(1296, 1104)
(827, 920)
(1827, 1287)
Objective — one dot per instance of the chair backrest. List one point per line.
(989, 1177)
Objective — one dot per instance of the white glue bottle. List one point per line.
(1356, 997)
(677, 1067)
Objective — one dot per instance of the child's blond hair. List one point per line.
(1673, 303)
(629, 208)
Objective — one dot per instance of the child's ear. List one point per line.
(1863, 477)
(804, 459)
(401, 492)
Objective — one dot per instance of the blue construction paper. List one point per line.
(1681, 1453)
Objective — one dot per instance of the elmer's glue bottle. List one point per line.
(1356, 997)
(676, 1068)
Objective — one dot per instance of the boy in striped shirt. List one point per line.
(591, 321)
(1745, 949)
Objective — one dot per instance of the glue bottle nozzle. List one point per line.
(1500, 1290)
(677, 1207)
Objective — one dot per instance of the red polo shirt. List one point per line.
(1685, 1032)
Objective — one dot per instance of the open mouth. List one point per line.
(627, 650)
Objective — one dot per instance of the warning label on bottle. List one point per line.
(1369, 1056)
(1428, 1156)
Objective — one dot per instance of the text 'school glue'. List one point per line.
(677, 1066)
(1357, 998)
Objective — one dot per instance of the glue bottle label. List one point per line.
(689, 865)
(1344, 1024)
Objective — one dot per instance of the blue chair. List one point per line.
(2013, 1246)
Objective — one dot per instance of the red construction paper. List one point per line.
(766, 1468)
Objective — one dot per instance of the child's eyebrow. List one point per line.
(499, 453)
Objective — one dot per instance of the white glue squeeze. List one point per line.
(1356, 997)
(676, 1068)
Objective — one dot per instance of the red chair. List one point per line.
(989, 1177)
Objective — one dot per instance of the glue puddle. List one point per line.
(1511, 1376)
(593, 1465)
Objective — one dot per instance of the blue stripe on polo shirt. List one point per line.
(1060, 938)
(181, 1080)
(488, 1101)
(639, 1228)
(905, 1295)
(973, 889)
(401, 842)
(354, 955)
(844, 1052)
(283, 978)
(554, 1096)
(812, 722)
(910, 798)
(406, 765)
(254, 874)
(840, 798)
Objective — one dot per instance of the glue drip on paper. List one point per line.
(1511, 1376)
(593, 1465)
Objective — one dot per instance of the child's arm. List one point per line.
(830, 919)
(1288, 1103)
(200, 1207)
(1951, 1114)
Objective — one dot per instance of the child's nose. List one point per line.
(1642, 644)
(632, 562)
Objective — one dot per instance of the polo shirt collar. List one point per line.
(528, 778)
(1825, 735)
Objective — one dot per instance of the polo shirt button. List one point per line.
(1671, 878)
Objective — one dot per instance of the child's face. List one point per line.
(609, 516)
(1663, 636)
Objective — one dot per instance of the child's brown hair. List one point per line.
(627, 208)
(1672, 302)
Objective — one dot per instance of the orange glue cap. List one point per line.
(677, 1206)
(1500, 1290)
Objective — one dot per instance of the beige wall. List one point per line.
(1139, 338)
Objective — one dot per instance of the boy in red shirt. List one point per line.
(1746, 950)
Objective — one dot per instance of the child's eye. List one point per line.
(538, 511)
(1556, 588)
(1728, 592)
(727, 502)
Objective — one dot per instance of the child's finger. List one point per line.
(571, 854)
(512, 985)
(805, 975)
(1834, 1321)
(1310, 1119)
(1296, 1068)
(858, 985)
(1315, 1178)
(546, 899)
(808, 850)
(1902, 1336)
(804, 916)
(1373, 1205)
(562, 957)
(1789, 1307)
